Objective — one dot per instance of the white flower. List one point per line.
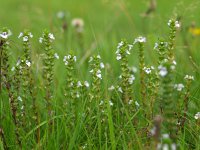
(56, 56)
(30, 35)
(40, 40)
(20, 35)
(4, 35)
(91, 71)
(98, 74)
(18, 62)
(98, 56)
(86, 84)
(127, 52)
(162, 71)
(111, 88)
(131, 79)
(66, 63)
(79, 84)
(177, 24)
(137, 104)
(120, 89)
(148, 70)
(19, 98)
(101, 102)
(119, 57)
(188, 77)
(74, 58)
(111, 103)
(197, 115)
(13, 69)
(51, 37)
(130, 102)
(91, 59)
(140, 39)
(102, 65)
(156, 46)
(179, 86)
(28, 63)
(25, 38)
(130, 46)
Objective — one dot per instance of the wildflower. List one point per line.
(120, 89)
(148, 69)
(86, 84)
(111, 103)
(179, 86)
(13, 69)
(140, 39)
(4, 35)
(162, 71)
(98, 74)
(56, 56)
(19, 98)
(91, 59)
(130, 102)
(28, 63)
(40, 40)
(188, 77)
(79, 84)
(119, 57)
(78, 24)
(102, 65)
(98, 56)
(25, 38)
(137, 104)
(20, 35)
(155, 46)
(91, 71)
(74, 58)
(51, 37)
(111, 88)
(131, 79)
(197, 116)
(101, 102)
(176, 23)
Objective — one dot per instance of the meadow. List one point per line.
(101, 74)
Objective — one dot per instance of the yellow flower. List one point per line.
(195, 31)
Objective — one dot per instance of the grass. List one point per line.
(86, 122)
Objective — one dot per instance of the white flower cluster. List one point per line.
(120, 45)
(28, 63)
(101, 66)
(176, 23)
(25, 37)
(148, 70)
(162, 71)
(85, 83)
(140, 39)
(172, 146)
(67, 58)
(156, 46)
(197, 116)
(50, 36)
(102, 102)
(188, 77)
(5, 34)
(179, 87)
(131, 79)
